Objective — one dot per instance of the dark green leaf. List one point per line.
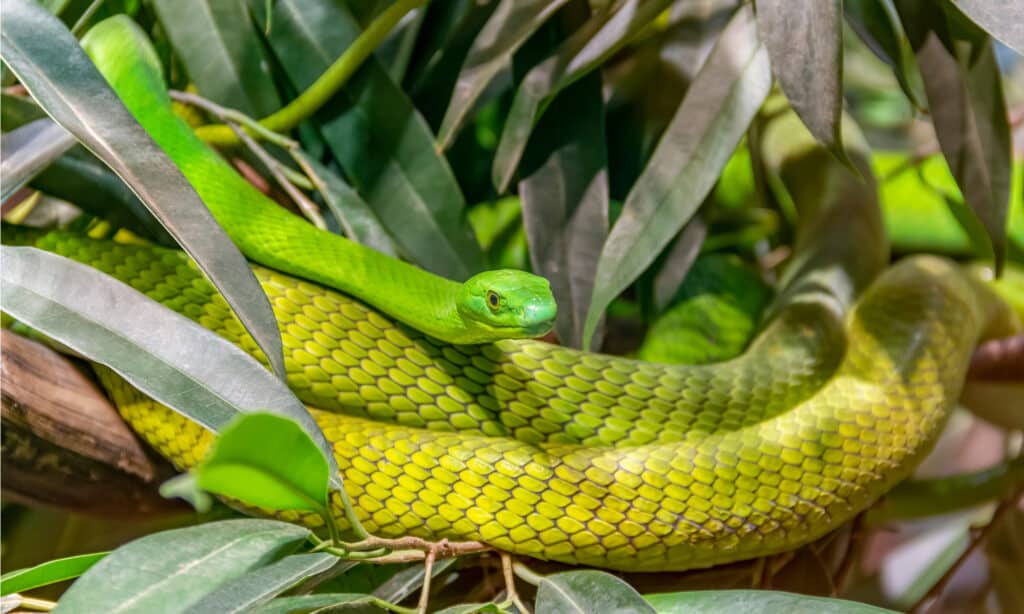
(261, 585)
(49, 572)
(588, 592)
(165, 355)
(471, 608)
(267, 461)
(878, 25)
(221, 52)
(965, 95)
(61, 78)
(408, 581)
(1003, 19)
(804, 42)
(381, 142)
(566, 227)
(168, 572)
(512, 22)
(307, 603)
(754, 602)
(706, 128)
(594, 42)
(27, 150)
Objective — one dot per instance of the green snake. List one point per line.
(593, 459)
(489, 306)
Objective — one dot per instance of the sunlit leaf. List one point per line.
(57, 73)
(588, 592)
(259, 586)
(754, 602)
(168, 572)
(1003, 19)
(708, 125)
(57, 570)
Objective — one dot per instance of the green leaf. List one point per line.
(586, 592)
(164, 354)
(804, 42)
(593, 43)
(705, 130)
(58, 570)
(754, 602)
(28, 150)
(384, 146)
(309, 603)
(409, 580)
(267, 461)
(170, 571)
(1003, 19)
(512, 22)
(49, 62)
(878, 25)
(261, 585)
(471, 608)
(965, 95)
(221, 52)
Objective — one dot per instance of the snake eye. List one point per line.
(493, 299)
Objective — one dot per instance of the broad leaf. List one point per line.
(169, 572)
(221, 52)
(309, 603)
(1003, 19)
(261, 585)
(378, 138)
(804, 42)
(164, 354)
(58, 570)
(707, 126)
(267, 461)
(57, 73)
(588, 592)
(754, 602)
(512, 22)
(28, 150)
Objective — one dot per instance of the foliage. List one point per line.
(605, 145)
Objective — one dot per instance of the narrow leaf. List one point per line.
(168, 572)
(1003, 19)
(58, 570)
(754, 602)
(583, 592)
(49, 62)
(261, 585)
(308, 603)
(408, 581)
(804, 42)
(705, 130)
(221, 52)
(878, 25)
(512, 22)
(28, 150)
(384, 146)
(164, 354)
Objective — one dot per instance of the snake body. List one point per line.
(601, 460)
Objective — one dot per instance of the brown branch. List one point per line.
(999, 359)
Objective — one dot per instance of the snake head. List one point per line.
(507, 304)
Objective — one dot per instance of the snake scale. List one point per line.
(600, 460)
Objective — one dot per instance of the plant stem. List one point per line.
(527, 574)
(333, 79)
(86, 16)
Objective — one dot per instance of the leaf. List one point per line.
(308, 603)
(968, 109)
(567, 226)
(804, 42)
(221, 52)
(1004, 551)
(354, 216)
(409, 580)
(266, 461)
(385, 148)
(165, 355)
(586, 592)
(511, 23)
(57, 73)
(261, 585)
(472, 608)
(592, 44)
(57, 570)
(168, 572)
(705, 130)
(28, 150)
(878, 25)
(754, 602)
(1003, 19)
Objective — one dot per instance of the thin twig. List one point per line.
(428, 570)
(853, 549)
(510, 583)
(526, 574)
(978, 537)
(86, 16)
